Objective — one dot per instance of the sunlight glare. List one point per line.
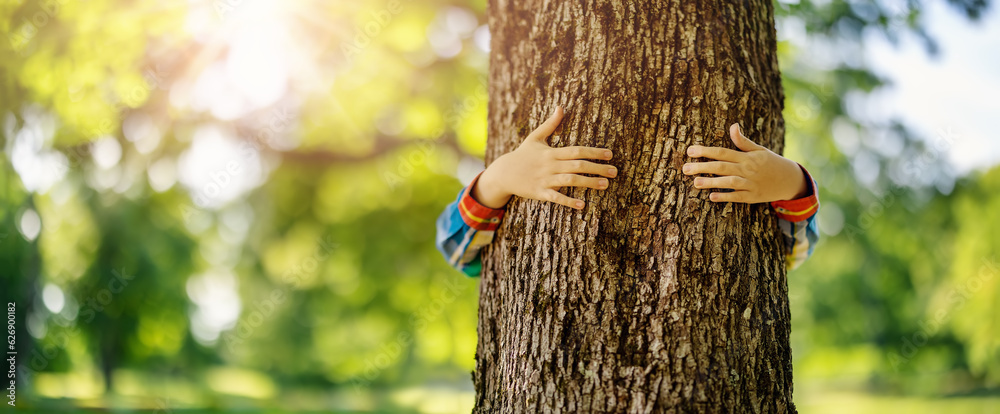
(257, 63)
(216, 169)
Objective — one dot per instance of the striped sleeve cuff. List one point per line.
(801, 208)
(476, 215)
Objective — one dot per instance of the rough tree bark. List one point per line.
(652, 299)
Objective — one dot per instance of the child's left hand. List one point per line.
(756, 175)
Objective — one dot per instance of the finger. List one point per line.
(712, 167)
(554, 196)
(715, 153)
(574, 180)
(586, 167)
(731, 197)
(741, 141)
(729, 181)
(547, 127)
(580, 153)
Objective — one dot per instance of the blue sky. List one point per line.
(957, 93)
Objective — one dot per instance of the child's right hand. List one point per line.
(537, 171)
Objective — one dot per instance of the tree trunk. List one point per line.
(652, 299)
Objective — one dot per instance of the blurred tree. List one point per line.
(654, 298)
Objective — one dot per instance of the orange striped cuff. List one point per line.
(801, 208)
(476, 215)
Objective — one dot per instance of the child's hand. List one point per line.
(536, 170)
(755, 176)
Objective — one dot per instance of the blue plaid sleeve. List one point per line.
(797, 219)
(464, 228)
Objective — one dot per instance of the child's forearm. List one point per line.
(488, 191)
(796, 186)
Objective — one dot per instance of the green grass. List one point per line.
(858, 403)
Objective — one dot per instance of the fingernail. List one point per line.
(579, 204)
(607, 155)
(602, 183)
(687, 168)
(713, 197)
(613, 172)
(698, 182)
(691, 151)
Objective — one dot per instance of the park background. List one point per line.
(230, 204)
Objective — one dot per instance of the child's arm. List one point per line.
(534, 170)
(797, 219)
(464, 228)
(759, 175)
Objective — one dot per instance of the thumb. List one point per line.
(548, 127)
(741, 141)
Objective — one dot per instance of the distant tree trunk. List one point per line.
(652, 299)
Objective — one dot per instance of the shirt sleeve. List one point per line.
(797, 219)
(464, 228)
